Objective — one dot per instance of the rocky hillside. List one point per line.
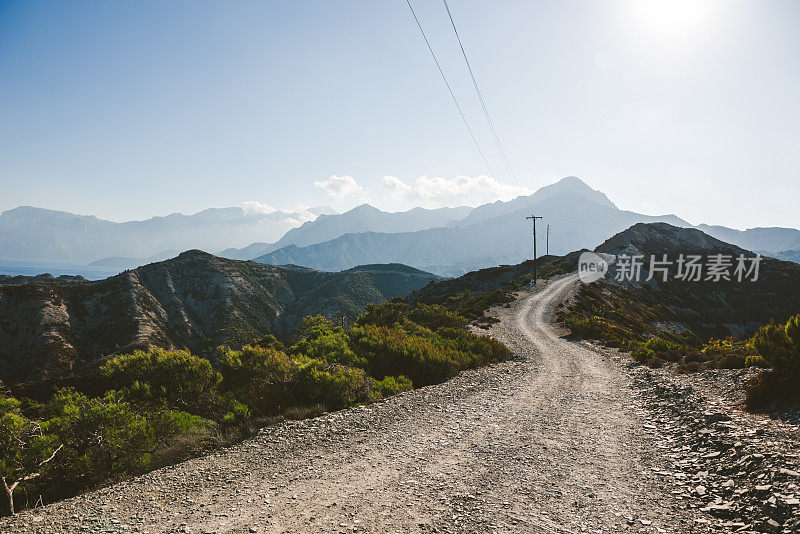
(662, 238)
(676, 308)
(472, 294)
(197, 301)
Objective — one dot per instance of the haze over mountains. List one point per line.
(41, 235)
(445, 241)
(489, 235)
(498, 233)
(363, 218)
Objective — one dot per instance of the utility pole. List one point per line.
(548, 239)
(534, 217)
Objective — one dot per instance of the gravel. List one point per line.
(564, 438)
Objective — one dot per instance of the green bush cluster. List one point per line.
(778, 347)
(73, 441)
(152, 408)
(616, 319)
(596, 327)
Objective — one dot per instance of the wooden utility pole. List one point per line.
(548, 239)
(534, 217)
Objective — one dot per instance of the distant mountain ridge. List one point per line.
(363, 218)
(196, 300)
(448, 241)
(570, 184)
(42, 235)
(490, 235)
(765, 240)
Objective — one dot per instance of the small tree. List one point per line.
(25, 448)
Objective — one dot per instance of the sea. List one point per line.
(23, 268)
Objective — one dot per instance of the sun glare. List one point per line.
(671, 21)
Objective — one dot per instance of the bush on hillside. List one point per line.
(779, 348)
(159, 406)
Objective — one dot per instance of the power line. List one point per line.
(452, 94)
(495, 135)
(458, 106)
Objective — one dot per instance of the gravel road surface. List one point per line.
(553, 441)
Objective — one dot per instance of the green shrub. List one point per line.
(642, 354)
(596, 327)
(779, 346)
(768, 386)
(26, 448)
(160, 377)
(657, 344)
(754, 360)
(257, 376)
(388, 314)
(390, 385)
(269, 342)
(331, 385)
(435, 317)
(107, 436)
(327, 343)
(422, 355)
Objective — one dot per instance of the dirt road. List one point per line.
(552, 441)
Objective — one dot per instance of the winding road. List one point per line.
(553, 441)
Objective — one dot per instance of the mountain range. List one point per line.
(499, 233)
(445, 241)
(363, 218)
(489, 235)
(53, 327)
(41, 235)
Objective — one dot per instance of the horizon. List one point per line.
(666, 107)
(308, 209)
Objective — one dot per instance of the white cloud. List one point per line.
(340, 186)
(250, 206)
(293, 216)
(459, 191)
(300, 215)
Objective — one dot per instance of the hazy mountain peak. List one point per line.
(572, 184)
(34, 212)
(365, 208)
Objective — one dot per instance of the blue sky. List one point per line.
(129, 110)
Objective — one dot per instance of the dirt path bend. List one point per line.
(550, 442)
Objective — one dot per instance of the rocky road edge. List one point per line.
(741, 469)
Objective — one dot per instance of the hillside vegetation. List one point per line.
(472, 294)
(695, 325)
(195, 301)
(151, 408)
